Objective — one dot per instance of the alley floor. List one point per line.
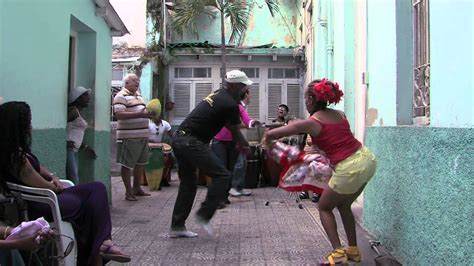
(246, 232)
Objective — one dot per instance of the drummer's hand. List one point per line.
(245, 150)
(256, 123)
(146, 114)
(266, 139)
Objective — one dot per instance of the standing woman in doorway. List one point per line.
(79, 98)
(353, 164)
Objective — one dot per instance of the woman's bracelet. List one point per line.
(5, 232)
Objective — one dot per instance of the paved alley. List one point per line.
(247, 232)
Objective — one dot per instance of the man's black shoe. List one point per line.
(303, 195)
(315, 198)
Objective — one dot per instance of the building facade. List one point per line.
(407, 79)
(271, 57)
(47, 48)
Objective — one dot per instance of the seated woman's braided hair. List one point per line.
(15, 122)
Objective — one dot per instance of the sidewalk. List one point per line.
(247, 232)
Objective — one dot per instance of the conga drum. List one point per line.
(271, 170)
(154, 168)
(252, 175)
(168, 163)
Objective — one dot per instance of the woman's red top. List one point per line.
(336, 140)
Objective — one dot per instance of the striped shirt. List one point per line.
(126, 101)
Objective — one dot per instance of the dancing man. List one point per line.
(192, 151)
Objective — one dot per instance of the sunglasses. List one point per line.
(67, 251)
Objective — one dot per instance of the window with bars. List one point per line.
(117, 74)
(266, 93)
(253, 109)
(280, 73)
(287, 93)
(251, 72)
(189, 72)
(421, 57)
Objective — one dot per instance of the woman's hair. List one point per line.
(15, 125)
(325, 92)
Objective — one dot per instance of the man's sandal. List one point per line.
(353, 254)
(141, 193)
(130, 197)
(118, 256)
(336, 257)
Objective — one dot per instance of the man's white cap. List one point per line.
(76, 93)
(237, 76)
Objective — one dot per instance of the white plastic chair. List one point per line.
(47, 196)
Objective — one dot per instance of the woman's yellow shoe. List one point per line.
(353, 254)
(336, 257)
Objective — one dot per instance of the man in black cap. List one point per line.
(191, 148)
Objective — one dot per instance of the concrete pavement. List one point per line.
(247, 232)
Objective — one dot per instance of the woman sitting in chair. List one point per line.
(85, 206)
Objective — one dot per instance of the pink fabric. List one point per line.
(225, 135)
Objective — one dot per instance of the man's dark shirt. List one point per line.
(211, 114)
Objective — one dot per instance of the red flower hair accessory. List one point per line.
(326, 91)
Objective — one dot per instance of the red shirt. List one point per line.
(336, 140)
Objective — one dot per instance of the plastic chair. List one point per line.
(47, 196)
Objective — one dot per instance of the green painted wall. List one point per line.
(419, 204)
(34, 56)
(50, 152)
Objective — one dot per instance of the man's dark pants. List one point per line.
(191, 154)
(228, 154)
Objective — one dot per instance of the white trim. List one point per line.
(105, 10)
(72, 59)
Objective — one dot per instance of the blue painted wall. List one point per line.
(146, 82)
(452, 57)
(381, 63)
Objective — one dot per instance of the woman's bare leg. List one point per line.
(347, 217)
(328, 201)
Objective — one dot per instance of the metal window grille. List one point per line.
(421, 70)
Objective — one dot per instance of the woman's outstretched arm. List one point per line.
(308, 126)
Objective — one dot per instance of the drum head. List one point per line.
(155, 145)
(167, 148)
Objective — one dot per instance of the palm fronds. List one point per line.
(272, 6)
(238, 15)
(187, 13)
